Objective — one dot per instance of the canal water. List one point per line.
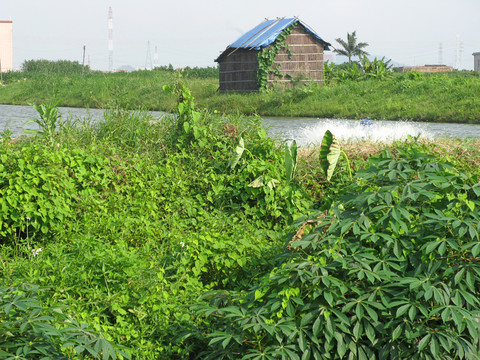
(303, 130)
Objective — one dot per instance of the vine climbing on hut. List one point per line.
(266, 58)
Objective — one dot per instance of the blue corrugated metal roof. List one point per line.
(263, 34)
(266, 33)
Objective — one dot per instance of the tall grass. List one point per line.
(442, 97)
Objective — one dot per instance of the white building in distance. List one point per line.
(6, 46)
(476, 61)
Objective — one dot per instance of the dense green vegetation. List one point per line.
(351, 92)
(200, 237)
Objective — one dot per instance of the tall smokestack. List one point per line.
(110, 39)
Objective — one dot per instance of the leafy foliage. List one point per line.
(433, 97)
(40, 189)
(195, 72)
(46, 67)
(391, 271)
(131, 221)
(48, 122)
(365, 70)
(32, 331)
(376, 69)
(137, 219)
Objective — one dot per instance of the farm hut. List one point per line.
(283, 51)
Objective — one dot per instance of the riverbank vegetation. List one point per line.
(200, 237)
(350, 92)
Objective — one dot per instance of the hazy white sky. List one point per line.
(194, 32)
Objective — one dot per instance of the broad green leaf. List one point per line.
(307, 319)
(432, 246)
(329, 297)
(476, 250)
(397, 332)
(370, 331)
(186, 127)
(459, 276)
(291, 160)
(402, 310)
(302, 343)
(359, 311)
(343, 318)
(358, 330)
(424, 342)
(226, 342)
(442, 248)
(371, 312)
(258, 182)
(317, 326)
(329, 154)
(272, 183)
(341, 346)
(238, 154)
(412, 313)
(258, 294)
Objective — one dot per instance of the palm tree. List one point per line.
(350, 47)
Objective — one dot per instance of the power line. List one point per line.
(148, 60)
(110, 39)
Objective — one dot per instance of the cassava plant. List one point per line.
(390, 271)
(29, 330)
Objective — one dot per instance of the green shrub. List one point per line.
(42, 189)
(29, 330)
(144, 219)
(391, 271)
(59, 67)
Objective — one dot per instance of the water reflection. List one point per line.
(303, 130)
(311, 131)
(14, 117)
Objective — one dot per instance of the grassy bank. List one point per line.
(203, 238)
(447, 97)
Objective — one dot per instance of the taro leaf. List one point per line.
(186, 127)
(258, 182)
(272, 183)
(238, 154)
(329, 154)
(291, 160)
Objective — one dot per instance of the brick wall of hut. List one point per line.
(238, 71)
(304, 61)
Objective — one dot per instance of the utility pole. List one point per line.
(83, 62)
(148, 60)
(155, 58)
(458, 53)
(440, 54)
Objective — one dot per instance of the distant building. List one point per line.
(476, 61)
(425, 68)
(301, 59)
(6, 46)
